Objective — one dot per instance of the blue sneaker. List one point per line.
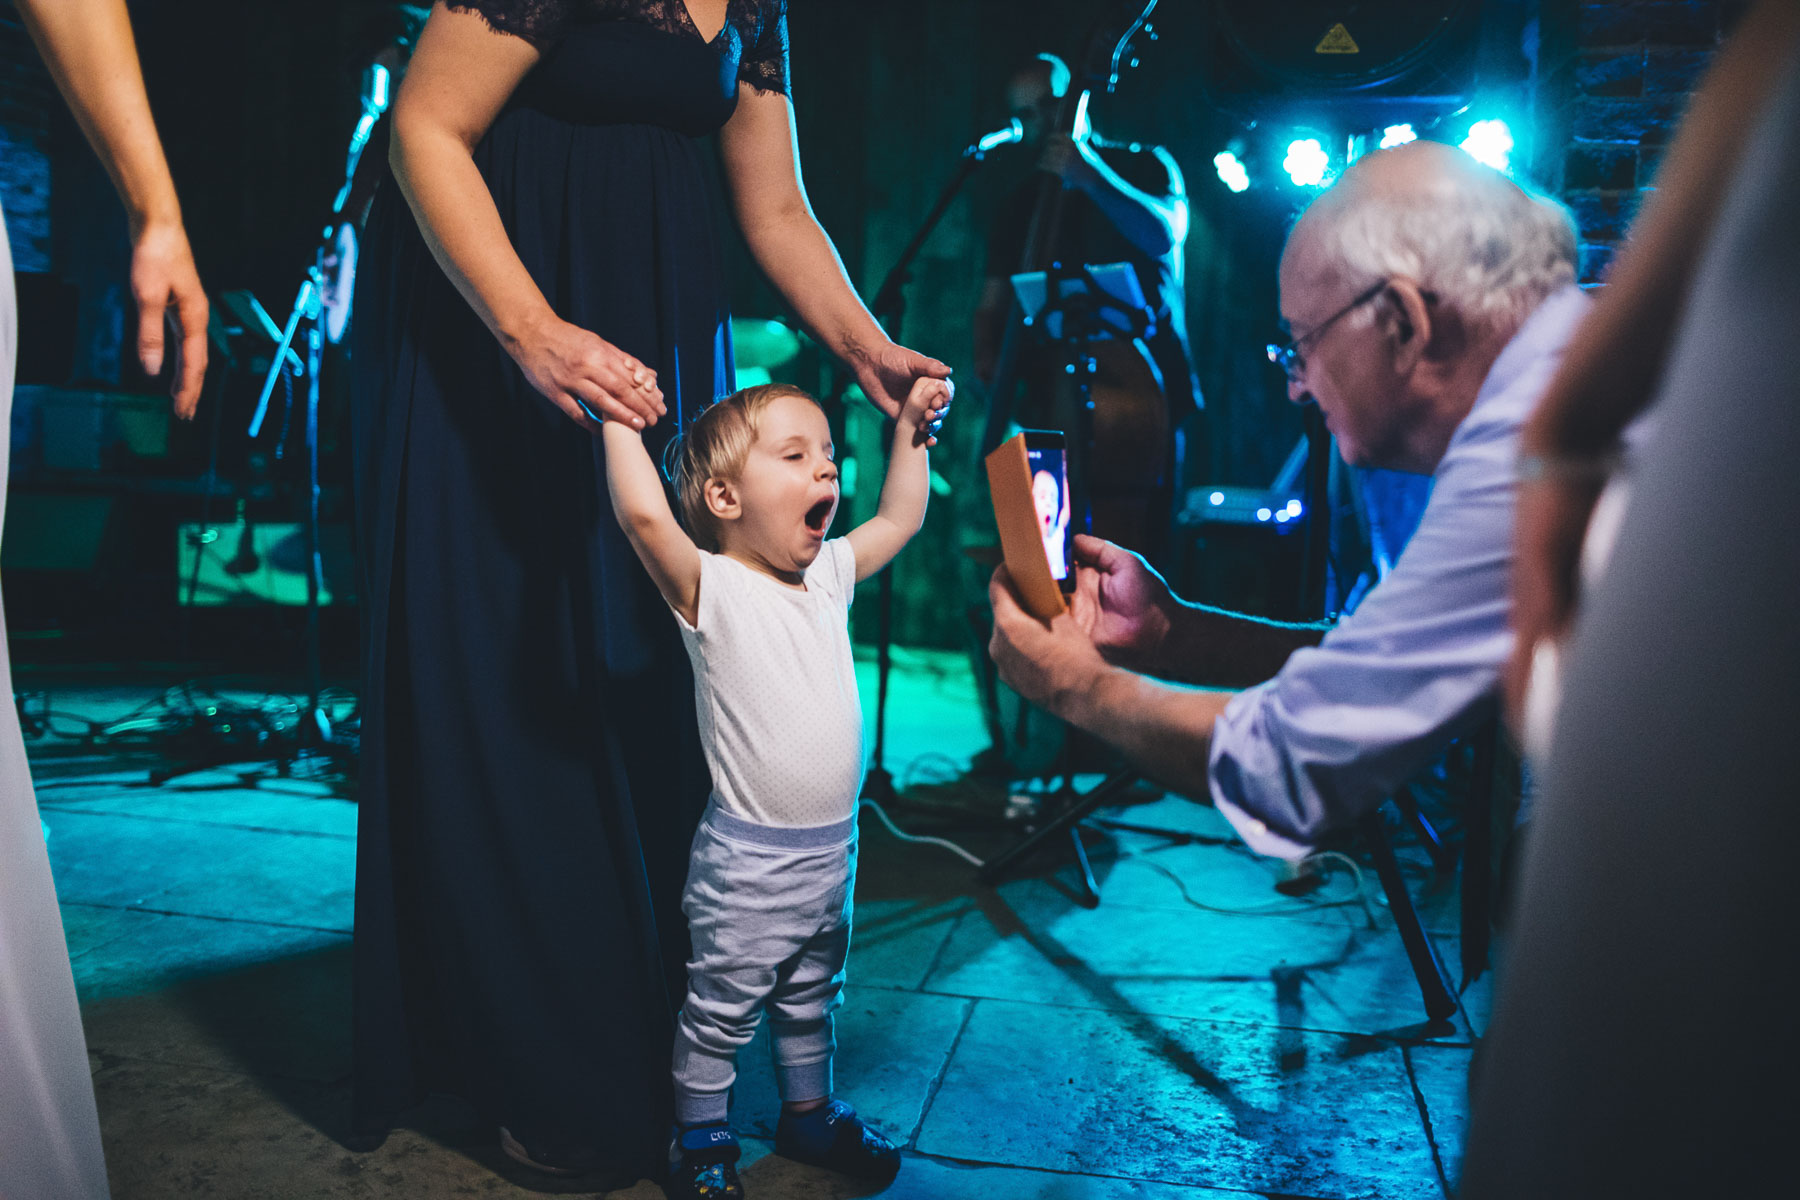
(703, 1164)
(833, 1136)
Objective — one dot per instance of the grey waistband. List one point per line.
(779, 837)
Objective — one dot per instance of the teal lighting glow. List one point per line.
(1217, 497)
(1306, 162)
(1231, 171)
(1263, 514)
(1490, 142)
(1397, 135)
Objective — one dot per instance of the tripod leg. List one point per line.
(1091, 890)
(1102, 794)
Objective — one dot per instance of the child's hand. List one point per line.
(925, 407)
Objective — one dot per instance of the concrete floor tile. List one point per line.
(924, 1178)
(896, 941)
(1180, 1101)
(892, 1049)
(211, 798)
(203, 870)
(198, 869)
(1329, 972)
(270, 1001)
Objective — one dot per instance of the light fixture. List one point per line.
(1231, 171)
(1398, 135)
(1306, 162)
(1490, 142)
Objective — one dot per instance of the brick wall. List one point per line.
(26, 96)
(1629, 71)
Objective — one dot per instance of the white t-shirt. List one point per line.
(775, 689)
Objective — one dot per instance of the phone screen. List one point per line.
(1048, 459)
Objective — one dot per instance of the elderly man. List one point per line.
(1430, 300)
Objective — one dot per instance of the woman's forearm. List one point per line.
(460, 223)
(92, 56)
(799, 259)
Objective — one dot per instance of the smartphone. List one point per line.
(1047, 456)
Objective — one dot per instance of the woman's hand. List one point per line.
(887, 372)
(168, 293)
(573, 367)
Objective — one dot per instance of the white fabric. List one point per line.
(775, 689)
(49, 1132)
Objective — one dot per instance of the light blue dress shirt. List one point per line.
(1418, 663)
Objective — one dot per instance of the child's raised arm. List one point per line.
(643, 510)
(908, 482)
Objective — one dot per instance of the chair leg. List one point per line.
(1434, 986)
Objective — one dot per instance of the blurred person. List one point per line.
(1430, 299)
(49, 1133)
(1643, 1041)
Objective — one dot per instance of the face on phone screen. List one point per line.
(1050, 495)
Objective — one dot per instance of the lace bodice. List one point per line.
(759, 25)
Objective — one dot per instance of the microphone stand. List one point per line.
(889, 310)
(314, 729)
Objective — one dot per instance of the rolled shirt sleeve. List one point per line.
(1345, 723)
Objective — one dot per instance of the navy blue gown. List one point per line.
(531, 771)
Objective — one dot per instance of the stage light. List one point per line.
(1294, 508)
(1263, 514)
(1217, 498)
(1283, 516)
(1231, 171)
(1306, 162)
(1397, 135)
(1490, 142)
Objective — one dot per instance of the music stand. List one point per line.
(1073, 307)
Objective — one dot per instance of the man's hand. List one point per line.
(1122, 604)
(167, 288)
(1062, 156)
(1054, 666)
(887, 372)
(926, 406)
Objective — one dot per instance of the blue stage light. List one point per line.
(1490, 142)
(1217, 498)
(1294, 508)
(1306, 162)
(1263, 514)
(1231, 171)
(1397, 135)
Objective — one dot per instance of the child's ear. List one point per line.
(722, 499)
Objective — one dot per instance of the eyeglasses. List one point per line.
(1289, 358)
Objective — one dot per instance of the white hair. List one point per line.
(1482, 244)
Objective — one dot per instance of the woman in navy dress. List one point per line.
(531, 771)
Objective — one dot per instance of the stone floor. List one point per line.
(1196, 1034)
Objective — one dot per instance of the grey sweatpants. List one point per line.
(769, 912)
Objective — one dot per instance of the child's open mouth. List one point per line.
(817, 515)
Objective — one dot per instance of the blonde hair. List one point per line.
(715, 446)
